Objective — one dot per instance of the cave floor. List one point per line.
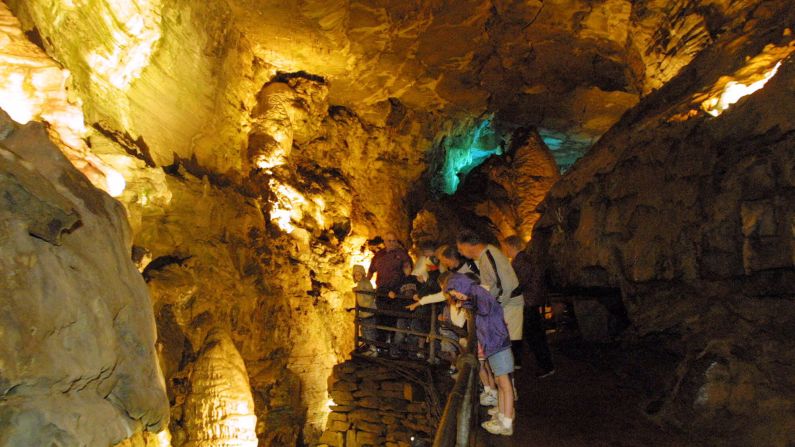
(583, 404)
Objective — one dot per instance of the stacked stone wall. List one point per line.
(377, 405)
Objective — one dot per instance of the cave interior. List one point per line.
(227, 162)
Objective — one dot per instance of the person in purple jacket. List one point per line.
(493, 339)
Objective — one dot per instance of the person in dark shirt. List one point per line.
(387, 266)
(398, 299)
(532, 288)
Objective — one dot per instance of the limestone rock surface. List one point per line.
(77, 359)
(689, 217)
(570, 66)
(219, 409)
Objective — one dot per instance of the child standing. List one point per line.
(365, 297)
(398, 300)
(493, 340)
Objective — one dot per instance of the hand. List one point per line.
(416, 297)
(413, 306)
(392, 295)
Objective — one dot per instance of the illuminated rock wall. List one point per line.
(77, 356)
(33, 87)
(691, 217)
(266, 257)
(526, 177)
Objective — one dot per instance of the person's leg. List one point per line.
(486, 377)
(399, 337)
(505, 392)
(369, 333)
(517, 348)
(502, 367)
(537, 339)
(382, 320)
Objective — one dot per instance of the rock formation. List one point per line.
(689, 216)
(219, 409)
(78, 352)
(262, 143)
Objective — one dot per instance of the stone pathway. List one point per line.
(579, 406)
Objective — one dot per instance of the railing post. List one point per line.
(432, 349)
(356, 326)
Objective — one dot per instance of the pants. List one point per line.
(399, 337)
(382, 302)
(420, 324)
(369, 333)
(536, 338)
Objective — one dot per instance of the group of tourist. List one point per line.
(500, 287)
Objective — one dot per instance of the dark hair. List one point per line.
(514, 242)
(376, 241)
(443, 279)
(451, 252)
(469, 237)
(426, 245)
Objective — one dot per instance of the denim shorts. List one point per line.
(501, 362)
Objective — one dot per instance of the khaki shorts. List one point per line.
(514, 317)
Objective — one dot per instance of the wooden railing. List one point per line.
(431, 335)
(460, 411)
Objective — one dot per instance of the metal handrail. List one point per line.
(431, 334)
(460, 413)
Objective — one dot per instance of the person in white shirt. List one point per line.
(498, 277)
(449, 260)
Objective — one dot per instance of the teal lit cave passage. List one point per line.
(566, 148)
(464, 152)
(473, 144)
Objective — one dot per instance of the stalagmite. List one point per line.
(219, 411)
(254, 147)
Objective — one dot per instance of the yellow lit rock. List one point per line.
(33, 87)
(735, 90)
(220, 410)
(752, 77)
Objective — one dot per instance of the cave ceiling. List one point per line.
(563, 65)
(569, 67)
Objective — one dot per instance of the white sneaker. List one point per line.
(496, 427)
(488, 399)
(493, 411)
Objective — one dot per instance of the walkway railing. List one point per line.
(431, 335)
(460, 411)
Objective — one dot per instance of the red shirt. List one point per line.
(388, 264)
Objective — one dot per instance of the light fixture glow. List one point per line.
(734, 91)
(33, 87)
(286, 204)
(115, 183)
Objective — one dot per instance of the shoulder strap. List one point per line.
(496, 273)
(473, 267)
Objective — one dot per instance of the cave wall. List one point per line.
(206, 219)
(77, 322)
(690, 216)
(339, 101)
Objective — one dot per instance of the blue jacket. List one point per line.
(489, 320)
